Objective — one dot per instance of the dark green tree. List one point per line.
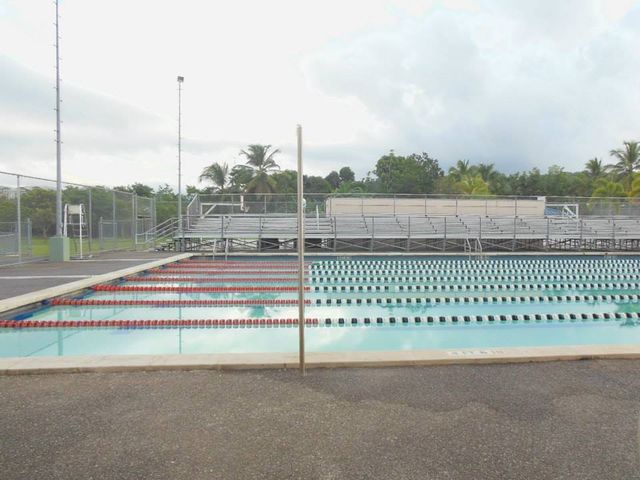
(347, 175)
(334, 179)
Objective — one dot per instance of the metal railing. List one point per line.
(398, 204)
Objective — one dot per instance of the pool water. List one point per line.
(355, 304)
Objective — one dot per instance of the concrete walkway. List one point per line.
(570, 420)
(30, 277)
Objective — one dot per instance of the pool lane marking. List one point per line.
(36, 277)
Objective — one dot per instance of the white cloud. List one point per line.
(515, 83)
(518, 84)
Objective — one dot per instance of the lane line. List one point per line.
(37, 277)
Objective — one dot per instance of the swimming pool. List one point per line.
(249, 305)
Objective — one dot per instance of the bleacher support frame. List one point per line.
(416, 233)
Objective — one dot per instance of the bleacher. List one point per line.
(547, 229)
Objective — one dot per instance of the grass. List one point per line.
(40, 246)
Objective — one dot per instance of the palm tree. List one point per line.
(635, 186)
(261, 161)
(473, 185)
(217, 174)
(487, 171)
(628, 161)
(460, 169)
(594, 168)
(607, 188)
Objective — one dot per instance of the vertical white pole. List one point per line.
(301, 272)
(19, 218)
(81, 220)
(58, 135)
(180, 80)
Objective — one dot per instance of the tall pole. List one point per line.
(301, 272)
(58, 136)
(180, 80)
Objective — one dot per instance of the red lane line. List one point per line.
(239, 264)
(153, 323)
(232, 267)
(190, 271)
(212, 279)
(145, 288)
(175, 303)
(226, 271)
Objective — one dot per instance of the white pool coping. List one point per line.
(250, 361)
(67, 288)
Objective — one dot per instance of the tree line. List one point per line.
(418, 173)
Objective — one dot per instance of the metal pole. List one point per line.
(19, 218)
(301, 319)
(133, 219)
(90, 222)
(180, 80)
(114, 225)
(58, 135)
(29, 238)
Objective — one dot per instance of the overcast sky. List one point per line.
(515, 83)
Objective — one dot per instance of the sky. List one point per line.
(514, 83)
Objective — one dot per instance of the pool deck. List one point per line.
(244, 361)
(570, 420)
(29, 283)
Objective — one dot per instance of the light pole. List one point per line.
(180, 232)
(58, 245)
(58, 134)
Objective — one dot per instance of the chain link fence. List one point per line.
(111, 220)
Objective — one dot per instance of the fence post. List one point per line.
(100, 234)
(114, 224)
(133, 219)
(19, 218)
(513, 247)
(29, 237)
(90, 222)
(408, 233)
(154, 214)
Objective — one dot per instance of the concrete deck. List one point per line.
(29, 277)
(244, 361)
(570, 420)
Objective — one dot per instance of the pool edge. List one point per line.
(21, 301)
(254, 361)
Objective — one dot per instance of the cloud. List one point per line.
(514, 83)
(102, 137)
(520, 85)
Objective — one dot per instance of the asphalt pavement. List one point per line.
(561, 420)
